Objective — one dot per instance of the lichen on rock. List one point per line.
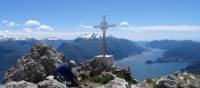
(20, 84)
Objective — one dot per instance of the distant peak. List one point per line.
(90, 36)
(52, 38)
(5, 38)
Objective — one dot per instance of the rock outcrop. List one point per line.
(20, 84)
(52, 83)
(175, 80)
(119, 83)
(36, 65)
(116, 83)
(97, 65)
(48, 83)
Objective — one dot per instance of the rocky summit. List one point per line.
(175, 80)
(36, 65)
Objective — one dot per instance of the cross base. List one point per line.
(107, 62)
(106, 56)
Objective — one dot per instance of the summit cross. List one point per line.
(104, 26)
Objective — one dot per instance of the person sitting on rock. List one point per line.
(128, 77)
(65, 73)
(128, 74)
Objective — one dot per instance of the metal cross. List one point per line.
(104, 26)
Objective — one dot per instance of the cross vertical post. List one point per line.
(104, 26)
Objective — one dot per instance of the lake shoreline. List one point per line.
(142, 71)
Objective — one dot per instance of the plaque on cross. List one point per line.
(104, 26)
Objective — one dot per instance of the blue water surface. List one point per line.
(141, 70)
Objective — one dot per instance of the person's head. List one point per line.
(72, 63)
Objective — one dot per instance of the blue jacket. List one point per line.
(65, 71)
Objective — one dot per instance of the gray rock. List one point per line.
(103, 63)
(20, 84)
(36, 65)
(178, 80)
(97, 65)
(167, 82)
(116, 83)
(51, 84)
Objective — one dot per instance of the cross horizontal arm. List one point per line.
(112, 25)
(97, 26)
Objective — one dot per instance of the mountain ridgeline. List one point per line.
(169, 44)
(185, 50)
(86, 48)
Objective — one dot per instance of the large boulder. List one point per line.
(36, 65)
(178, 80)
(116, 83)
(103, 63)
(52, 83)
(167, 82)
(48, 83)
(98, 65)
(20, 84)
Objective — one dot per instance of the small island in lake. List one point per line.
(149, 62)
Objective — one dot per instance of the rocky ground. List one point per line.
(175, 80)
(34, 70)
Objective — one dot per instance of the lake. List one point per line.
(141, 70)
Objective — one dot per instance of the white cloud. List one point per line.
(27, 30)
(124, 23)
(8, 23)
(163, 28)
(32, 23)
(86, 26)
(44, 27)
(28, 33)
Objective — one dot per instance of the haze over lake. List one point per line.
(142, 71)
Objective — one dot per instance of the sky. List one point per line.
(139, 20)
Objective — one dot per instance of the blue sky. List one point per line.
(136, 19)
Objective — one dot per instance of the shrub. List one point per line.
(99, 79)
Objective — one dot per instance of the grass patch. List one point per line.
(119, 74)
(99, 79)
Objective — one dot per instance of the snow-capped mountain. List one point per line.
(90, 36)
(52, 38)
(7, 37)
(15, 39)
